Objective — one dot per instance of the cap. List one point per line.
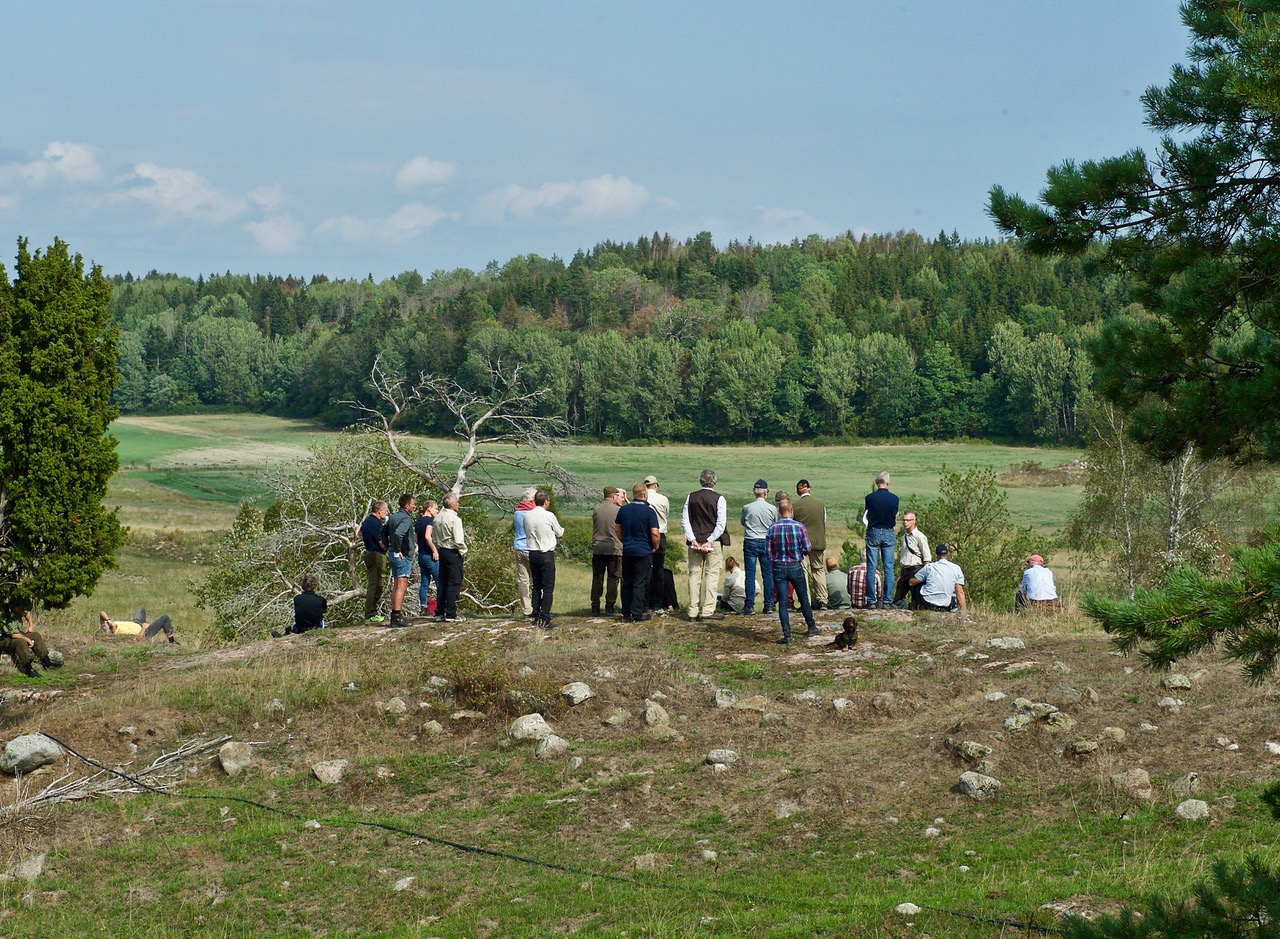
(941, 550)
(651, 480)
(761, 484)
(1035, 559)
(611, 491)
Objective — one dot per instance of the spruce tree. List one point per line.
(57, 371)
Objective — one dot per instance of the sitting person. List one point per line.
(837, 586)
(857, 584)
(1037, 587)
(20, 641)
(733, 595)
(138, 627)
(308, 609)
(941, 583)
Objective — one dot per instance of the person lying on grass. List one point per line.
(138, 627)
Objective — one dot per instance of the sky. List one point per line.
(347, 139)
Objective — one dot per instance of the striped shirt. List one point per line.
(788, 542)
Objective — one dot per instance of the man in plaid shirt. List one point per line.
(789, 548)
(858, 584)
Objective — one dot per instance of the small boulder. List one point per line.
(529, 727)
(395, 707)
(883, 701)
(1083, 747)
(330, 771)
(664, 732)
(1060, 721)
(1016, 722)
(811, 698)
(994, 696)
(274, 708)
(646, 862)
(1176, 681)
(1192, 810)
(1136, 782)
(772, 720)
(756, 702)
(907, 909)
(433, 728)
(551, 746)
(1006, 643)
(576, 692)
(725, 698)
(234, 757)
(723, 755)
(842, 704)
(1185, 785)
(655, 715)
(1170, 705)
(615, 717)
(1112, 735)
(28, 752)
(978, 787)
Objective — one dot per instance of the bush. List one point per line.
(481, 681)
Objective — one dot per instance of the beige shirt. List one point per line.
(541, 528)
(915, 549)
(662, 505)
(448, 531)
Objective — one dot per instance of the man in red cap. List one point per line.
(1037, 588)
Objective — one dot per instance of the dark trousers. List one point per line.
(602, 564)
(903, 586)
(635, 584)
(450, 582)
(793, 575)
(22, 653)
(542, 574)
(659, 559)
(161, 624)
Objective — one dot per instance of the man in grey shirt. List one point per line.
(606, 551)
(757, 516)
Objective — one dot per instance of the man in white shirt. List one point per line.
(661, 505)
(941, 583)
(1037, 587)
(451, 544)
(704, 520)
(541, 529)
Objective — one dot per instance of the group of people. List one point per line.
(24, 646)
(436, 537)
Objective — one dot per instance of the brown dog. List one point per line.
(849, 637)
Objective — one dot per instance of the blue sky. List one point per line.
(301, 137)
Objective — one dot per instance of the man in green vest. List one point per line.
(811, 512)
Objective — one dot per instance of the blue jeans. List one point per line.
(754, 549)
(430, 570)
(793, 574)
(880, 542)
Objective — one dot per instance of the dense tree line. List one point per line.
(871, 336)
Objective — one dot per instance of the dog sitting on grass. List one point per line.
(849, 637)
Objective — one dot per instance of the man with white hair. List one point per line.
(451, 543)
(882, 519)
(520, 544)
(704, 519)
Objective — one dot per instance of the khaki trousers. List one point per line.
(818, 576)
(704, 580)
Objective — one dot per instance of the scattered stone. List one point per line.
(924, 660)
(1084, 747)
(772, 720)
(1008, 643)
(28, 752)
(395, 707)
(615, 717)
(28, 869)
(403, 884)
(604, 673)
(658, 696)
(576, 692)
(1192, 810)
(968, 750)
(439, 683)
(274, 707)
(127, 731)
(383, 772)
(551, 746)
(468, 715)
(1227, 744)
(1185, 785)
(810, 698)
(235, 757)
(1273, 748)
(1170, 705)
(664, 732)
(842, 704)
(1176, 681)
(1147, 728)
(311, 823)
(1068, 695)
(1136, 782)
(709, 856)
(725, 698)
(1113, 734)
(786, 808)
(979, 657)
(994, 696)
(1059, 720)
(1017, 722)
(646, 862)
(718, 768)
(1091, 695)
(433, 728)
(932, 832)
(723, 755)
(330, 771)
(906, 909)
(1061, 668)
(529, 727)
(1036, 709)
(883, 701)
(977, 786)
(655, 715)
(755, 702)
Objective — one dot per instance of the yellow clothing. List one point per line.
(128, 628)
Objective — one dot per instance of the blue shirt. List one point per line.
(374, 534)
(637, 520)
(521, 542)
(882, 509)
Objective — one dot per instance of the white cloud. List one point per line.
(278, 234)
(8, 202)
(182, 192)
(269, 197)
(406, 223)
(591, 198)
(424, 171)
(60, 162)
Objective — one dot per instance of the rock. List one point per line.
(932, 832)
(1147, 728)
(1007, 643)
(1192, 810)
(1136, 782)
(723, 755)
(1227, 744)
(1084, 747)
(755, 702)
(468, 715)
(968, 750)
(604, 673)
(330, 771)
(29, 868)
(575, 762)
(1036, 709)
(1059, 720)
(523, 701)
(433, 728)
(1170, 705)
(994, 696)
(786, 808)
(977, 786)
(924, 660)
(615, 717)
(234, 757)
(551, 746)
(383, 772)
(274, 708)
(1091, 695)
(1062, 668)
(529, 727)
(395, 707)
(1185, 785)
(1113, 734)
(1068, 695)
(906, 909)
(709, 856)
(842, 704)
(403, 884)
(811, 698)
(1273, 748)
(883, 701)
(655, 715)
(28, 752)
(127, 731)
(646, 862)
(1175, 681)
(664, 732)
(311, 823)
(772, 720)
(524, 673)
(576, 692)
(718, 768)
(1016, 722)
(725, 698)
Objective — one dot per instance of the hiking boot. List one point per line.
(595, 611)
(809, 634)
(30, 671)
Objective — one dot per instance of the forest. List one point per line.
(850, 338)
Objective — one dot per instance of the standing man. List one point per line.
(451, 544)
(915, 555)
(400, 546)
(661, 506)
(542, 529)
(637, 530)
(789, 549)
(606, 550)
(373, 532)
(428, 557)
(941, 584)
(704, 518)
(882, 519)
(811, 512)
(757, 517)
(521, 546)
